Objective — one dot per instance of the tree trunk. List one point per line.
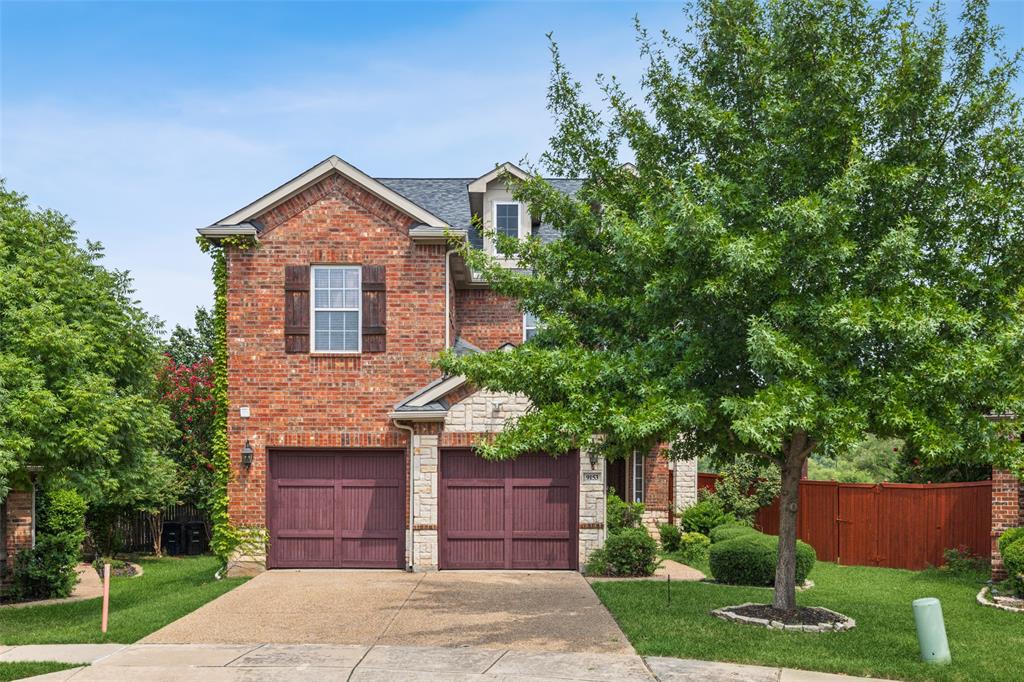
(155, 526)
(797, 451)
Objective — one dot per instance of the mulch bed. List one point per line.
(804, 615)
(124, 571)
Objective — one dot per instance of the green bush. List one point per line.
(729, 531)
(962, 560)
(1010, 536)
(693, 547)
(622, 514)
(705, 515)
(48, 570)
(670, 534)
(630, 552)
(1013, 559)
(750, 560)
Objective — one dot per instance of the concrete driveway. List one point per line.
(531, 611)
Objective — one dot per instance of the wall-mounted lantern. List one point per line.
(247, 454)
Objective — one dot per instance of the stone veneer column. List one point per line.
(425, 490)
(685, 478)
(1007, 512)
(592, 521)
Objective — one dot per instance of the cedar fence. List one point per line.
(897, 525)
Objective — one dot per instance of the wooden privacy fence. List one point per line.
(897, 525)
(133, 531)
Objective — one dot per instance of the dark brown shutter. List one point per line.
(296, 309)
(374, 309)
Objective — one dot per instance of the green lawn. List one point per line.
(984, 641)
(168, 589)
(17, 671)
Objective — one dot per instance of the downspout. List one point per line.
(447, 297)
(412, 535)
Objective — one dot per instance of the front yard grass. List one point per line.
(168, 589)
(884, 643)
(21, 669)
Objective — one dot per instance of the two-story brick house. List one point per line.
(332, 323)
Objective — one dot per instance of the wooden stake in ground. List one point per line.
(106, 596)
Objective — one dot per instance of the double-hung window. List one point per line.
(506, 221)
(336, 298)
(638, 476)
(529, 326)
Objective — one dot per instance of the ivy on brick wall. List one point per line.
(226, 537)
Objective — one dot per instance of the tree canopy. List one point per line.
(821, 237)
(78, 359)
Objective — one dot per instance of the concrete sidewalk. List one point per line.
(357, 663)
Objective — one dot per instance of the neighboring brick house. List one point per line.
(1007, 512)
(17, 530)
(332, 323)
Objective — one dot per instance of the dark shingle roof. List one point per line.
(448, 199)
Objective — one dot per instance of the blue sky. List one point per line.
(144, 120)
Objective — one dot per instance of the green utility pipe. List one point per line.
(931, 630)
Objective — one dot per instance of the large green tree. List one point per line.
(821, 238)
(78, 359)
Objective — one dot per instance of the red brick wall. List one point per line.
(657, 491)
(303, 400)
(1007, 512)
(17, 526)
(486, 319)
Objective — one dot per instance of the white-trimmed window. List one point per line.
(336, 310)
(508, 221)
(529, 326)
(638, 476)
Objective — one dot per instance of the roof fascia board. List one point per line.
(220, 231)
(332, 164)
(433, 393)
(425, 416)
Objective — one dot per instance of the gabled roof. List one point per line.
(480, 184)
(430, 403)
(332, 164)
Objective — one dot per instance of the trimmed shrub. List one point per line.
(622, 514)
(730, 531)
(670, 537)
(1010, 536)
(705, 515)
(1013, 559)
(47, 570)
(750, 560)
(693, 547)
(630, 552)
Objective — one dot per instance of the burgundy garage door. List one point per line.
(336, 509)
(518, 514)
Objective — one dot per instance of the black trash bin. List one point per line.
(195, 538)
(171, 538)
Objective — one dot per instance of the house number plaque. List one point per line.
(591, 476)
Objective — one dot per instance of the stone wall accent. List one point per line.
(485, 412)
(425, 493)
(592, 528)
(17, 509)
(1007, 512)
(685, 481)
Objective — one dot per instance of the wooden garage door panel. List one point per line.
(336, 509)
(517, 514)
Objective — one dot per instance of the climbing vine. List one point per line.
(226, 537)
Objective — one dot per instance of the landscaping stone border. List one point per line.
(985, 599)
(725, 614)
(806, 585)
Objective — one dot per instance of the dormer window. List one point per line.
(508, 220)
